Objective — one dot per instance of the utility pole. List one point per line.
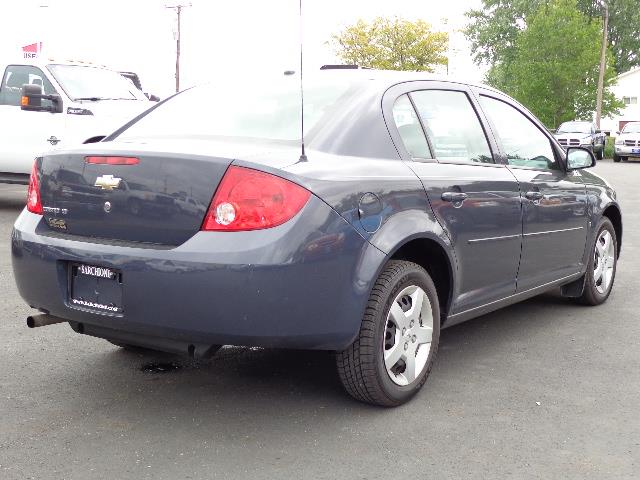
(178, 9)
(603, 63)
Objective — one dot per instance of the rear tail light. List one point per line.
(34, 204)
(104, 160)
(247, 199)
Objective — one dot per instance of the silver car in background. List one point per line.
(628, 142)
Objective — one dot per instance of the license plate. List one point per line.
(635, 150)
(95, 288)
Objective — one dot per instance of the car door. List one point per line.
(25, 134)
(476, 200)
(554, 201)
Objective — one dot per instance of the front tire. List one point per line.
(601, 269)
(616, 158)
(600, 152)
(392, 356)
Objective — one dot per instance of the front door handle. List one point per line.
(454, 197)
(534, 195)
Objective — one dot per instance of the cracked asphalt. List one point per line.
(541, 390)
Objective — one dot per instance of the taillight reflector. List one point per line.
(248, 199)
(104, 160)
(34, 204)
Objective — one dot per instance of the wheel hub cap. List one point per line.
(604, 262)
(407, 340)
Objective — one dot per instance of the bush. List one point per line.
(608, 148)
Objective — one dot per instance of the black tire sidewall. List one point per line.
(397, 393)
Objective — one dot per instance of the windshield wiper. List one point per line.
(95, 99)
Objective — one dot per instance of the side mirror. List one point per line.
(598, 131)
(32, 97)
(618, 133)
(579, 158)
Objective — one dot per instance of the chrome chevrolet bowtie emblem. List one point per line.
(107, 182)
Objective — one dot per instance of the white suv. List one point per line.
(628, 142)
(72, 103)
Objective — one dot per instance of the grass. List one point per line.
(608, 148)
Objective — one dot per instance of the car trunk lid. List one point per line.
(161, 199)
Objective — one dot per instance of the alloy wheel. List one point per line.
(603, 262)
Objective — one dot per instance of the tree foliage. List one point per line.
(494, 29)
(393, 44)
(553, 65)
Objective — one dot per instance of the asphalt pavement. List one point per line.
(544, 389)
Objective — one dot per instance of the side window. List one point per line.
(524, 144)
(452, 126)
(410, 129)
(17, 75)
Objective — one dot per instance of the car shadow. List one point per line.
(266, 383)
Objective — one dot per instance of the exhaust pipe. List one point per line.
(43, 320)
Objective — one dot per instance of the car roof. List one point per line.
(393, 77)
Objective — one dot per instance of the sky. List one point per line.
(218, 38)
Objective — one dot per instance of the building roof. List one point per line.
(629, 73)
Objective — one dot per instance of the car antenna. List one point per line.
(303, 156)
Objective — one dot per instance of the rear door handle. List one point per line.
(534, 195)
(454, 197)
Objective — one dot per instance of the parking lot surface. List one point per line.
(543, 389)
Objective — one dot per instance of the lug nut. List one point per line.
(413, 339)
(404, 331)
(406, 346)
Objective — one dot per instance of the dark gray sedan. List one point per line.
(418, 204)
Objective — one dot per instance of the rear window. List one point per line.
(261, 109)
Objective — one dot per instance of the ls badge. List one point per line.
(107, 182)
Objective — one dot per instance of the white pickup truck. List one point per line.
(67, 103)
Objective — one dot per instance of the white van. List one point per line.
(72, 102)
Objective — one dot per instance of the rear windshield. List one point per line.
(262, 109)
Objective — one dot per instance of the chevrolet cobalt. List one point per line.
(415, 204)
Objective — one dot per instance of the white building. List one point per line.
(627, 89)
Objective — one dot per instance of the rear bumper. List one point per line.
(303, 284)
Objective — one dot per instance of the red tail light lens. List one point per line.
(97, 160)
(247, 199)
(34, 204)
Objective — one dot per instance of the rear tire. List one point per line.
(602, 266)
(390, 360)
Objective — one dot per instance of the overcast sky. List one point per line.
(218, 38)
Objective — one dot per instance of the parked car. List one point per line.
(582, 134)
(414, 205)
(627, 144)
(71, 103)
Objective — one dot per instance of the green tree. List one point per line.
(554, 65)
(393, 44)
(494, 29)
